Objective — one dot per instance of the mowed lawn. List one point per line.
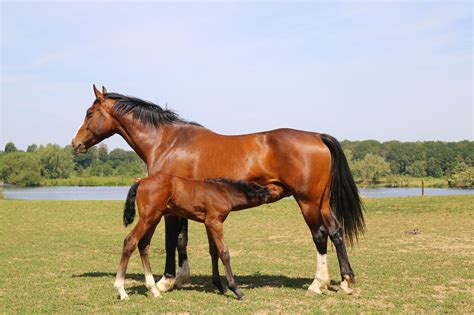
(417, 256)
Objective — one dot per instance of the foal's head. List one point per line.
(98, 123)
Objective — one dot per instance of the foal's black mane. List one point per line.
(146, 112)
(251, 190)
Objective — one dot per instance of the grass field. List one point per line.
(417, 256)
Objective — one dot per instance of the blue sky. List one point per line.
(356, 70)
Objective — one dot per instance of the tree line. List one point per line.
(369, 160)
(30, 168)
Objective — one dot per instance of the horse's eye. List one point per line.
(89, 114)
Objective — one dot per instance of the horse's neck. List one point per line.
(143, 139)
(150, 143)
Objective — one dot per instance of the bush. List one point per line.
(20, 168)
(55, 162)
(371, 168)
(462, 179)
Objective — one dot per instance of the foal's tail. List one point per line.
(129, 208)
(344, 196)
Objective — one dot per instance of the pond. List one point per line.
(119, 193)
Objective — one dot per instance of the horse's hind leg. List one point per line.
(216, 278)
(129, 245)
(312, 216)
(182, 277)
(144, 247)
(335, 234)
(215, 229)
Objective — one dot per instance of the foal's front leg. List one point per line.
(216, 278)
(216, 230)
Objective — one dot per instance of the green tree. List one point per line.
(20, 168)
(84, 160)
(133, 169)
(99, 168)
(10, 147)
(32, 148)
(119, 156)
(417, 169)
(371, 168)
(102, 152)
(55, 162)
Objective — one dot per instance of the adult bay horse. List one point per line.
(309, 166)
(207, 201)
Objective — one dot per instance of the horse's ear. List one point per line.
(104, 90)
(97, 93)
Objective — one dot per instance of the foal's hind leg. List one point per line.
(144, 247)
(335, 233)
(129, 245)
(215, 229)
(216, 278)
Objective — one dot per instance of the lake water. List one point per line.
(120, 193)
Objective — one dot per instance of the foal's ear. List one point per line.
(104, 90)
(97, 93)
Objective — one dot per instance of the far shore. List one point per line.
(387, 182)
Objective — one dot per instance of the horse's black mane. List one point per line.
(146, 112)
(251, 190)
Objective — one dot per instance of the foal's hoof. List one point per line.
(241, 297)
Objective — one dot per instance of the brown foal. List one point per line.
(207, 201)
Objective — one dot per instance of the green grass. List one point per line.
(59, 256)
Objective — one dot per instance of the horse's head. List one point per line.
(98, 123)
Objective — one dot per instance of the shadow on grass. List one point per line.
(203, 282)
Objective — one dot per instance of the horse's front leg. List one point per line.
(167, 282)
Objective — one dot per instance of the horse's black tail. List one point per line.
(344, 196)
(129, 208)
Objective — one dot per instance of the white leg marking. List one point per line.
(322, 271)
(119, 283)
(321, 278)
(150, 284)
(183, 275)
(345, 287)
(165, 284)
